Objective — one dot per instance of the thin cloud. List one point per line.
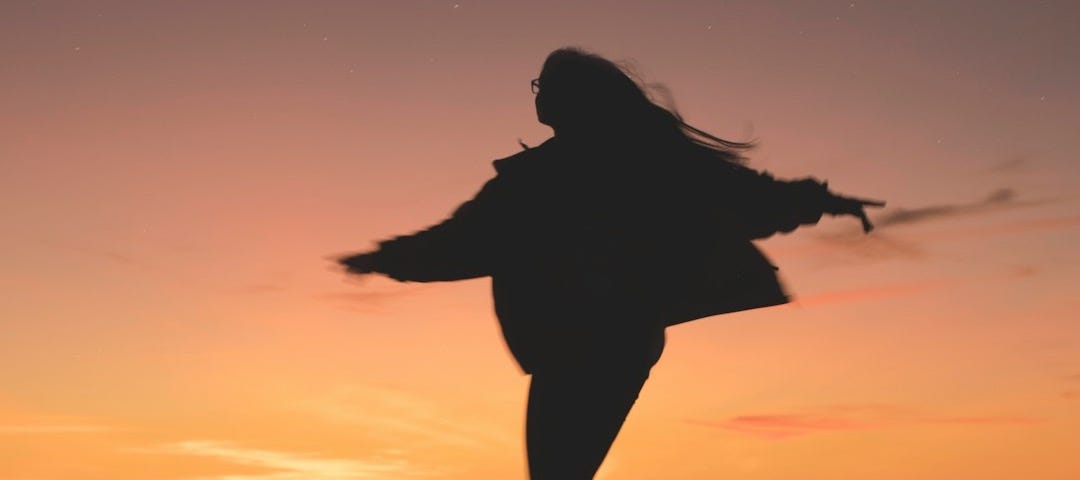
(1071, 393)
(1022, 271)
(904, 289)
(289, 465)
(34, 429)
(876, 246)
(15, 420)
(777, 426)
(374, 297)
(868, 293)
(1000, 199)
(371, 298)
(880, 245)
(275, 281)
(105, 253)
(986, 420)
(1019, 226)
(888, 244)
(408, 415)
(113, 256)
(119, 257)
(1011, 165)
(256, 288)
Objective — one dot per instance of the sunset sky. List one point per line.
(174, 177)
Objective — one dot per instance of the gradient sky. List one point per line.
(174, 176)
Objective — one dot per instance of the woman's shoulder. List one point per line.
(525, 159)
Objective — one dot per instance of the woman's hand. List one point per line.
(856, 207)
(360, 263)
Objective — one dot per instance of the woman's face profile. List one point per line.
(572, 94)
(542, 102)
(556, 102)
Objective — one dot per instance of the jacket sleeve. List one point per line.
(458, 248)
(765, 205)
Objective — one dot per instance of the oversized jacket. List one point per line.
(578, 239)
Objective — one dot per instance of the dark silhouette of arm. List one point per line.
(766, 205)
(458, 248)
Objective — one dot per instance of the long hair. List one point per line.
(593, 95)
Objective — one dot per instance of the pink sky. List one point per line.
(175, 174)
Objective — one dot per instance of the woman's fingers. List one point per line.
(869, 202)
(866, 225)
(360, 263)
(852, 205)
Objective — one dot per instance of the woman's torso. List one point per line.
(596, 245)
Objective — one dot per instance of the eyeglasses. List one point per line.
(535, 85)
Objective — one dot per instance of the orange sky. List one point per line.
(174, 175)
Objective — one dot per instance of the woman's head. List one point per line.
(577, 88)
(584, 94)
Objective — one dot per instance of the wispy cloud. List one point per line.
(16, 420)
(902, 289)
(1010, 165)
(370, 298)
(92, 250)
(876, 246)
(1018, 226)
(52, 428)
(778, 426)
(256, 288)
(868, 293)
(982, 420)
(886, 242)
(289, 465)
(401, 413)
(845, 419)
(1073, 392)
(1022, 271)
(999, 199)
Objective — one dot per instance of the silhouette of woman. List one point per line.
(626, 221)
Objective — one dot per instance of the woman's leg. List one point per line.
(573, 418)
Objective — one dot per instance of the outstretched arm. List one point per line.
(768, 206)
(456, 249)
